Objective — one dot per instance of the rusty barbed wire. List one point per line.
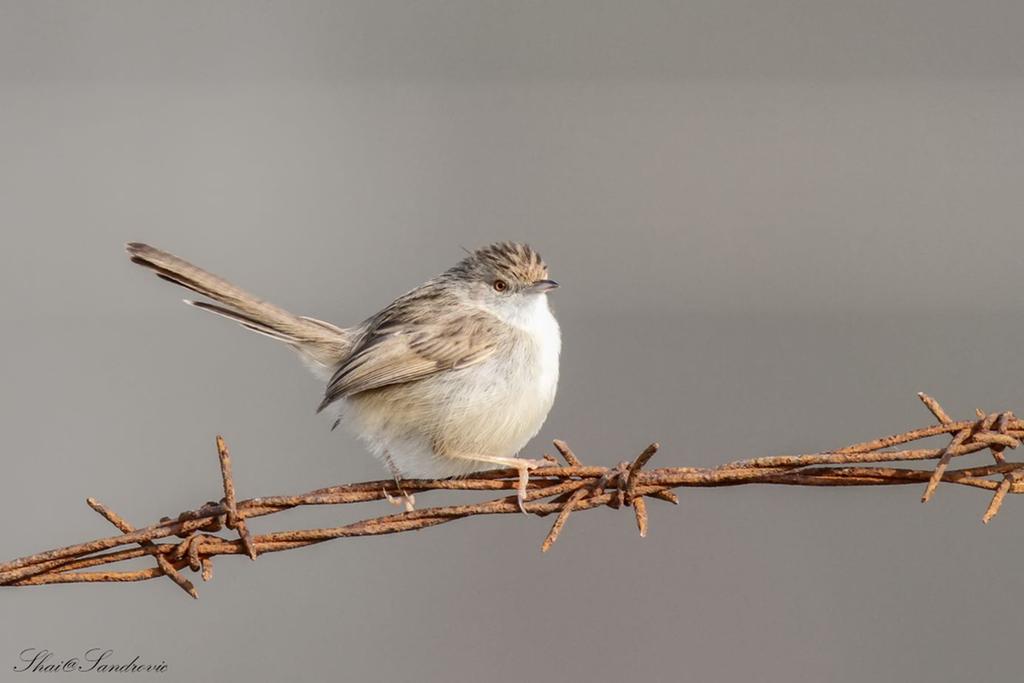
(558, 490)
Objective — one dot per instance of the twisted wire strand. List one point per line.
(558, 490)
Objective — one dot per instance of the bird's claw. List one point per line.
(524, 467)
(406, 499)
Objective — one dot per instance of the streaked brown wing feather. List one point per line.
(403, 345)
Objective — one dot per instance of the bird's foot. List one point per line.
(403, 498)
(524, 466)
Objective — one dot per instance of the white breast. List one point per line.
(545, 331)
(536, 367)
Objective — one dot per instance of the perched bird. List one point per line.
(453, 377)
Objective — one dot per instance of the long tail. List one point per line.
(321, 342)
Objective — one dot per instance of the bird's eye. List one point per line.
(500, 285)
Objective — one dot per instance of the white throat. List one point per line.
(529, 313)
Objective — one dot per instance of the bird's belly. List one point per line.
(499, 411)
(433, 427)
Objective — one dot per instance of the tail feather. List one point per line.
(244, 321)
(317, 340)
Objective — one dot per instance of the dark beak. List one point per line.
(542, 286)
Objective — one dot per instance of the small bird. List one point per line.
(453, 377)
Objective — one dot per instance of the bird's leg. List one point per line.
(406, 499)
(521, 464)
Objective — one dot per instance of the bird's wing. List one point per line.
(401, 346)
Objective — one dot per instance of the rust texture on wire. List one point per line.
(555, 490)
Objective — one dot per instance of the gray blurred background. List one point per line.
(774, 222)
